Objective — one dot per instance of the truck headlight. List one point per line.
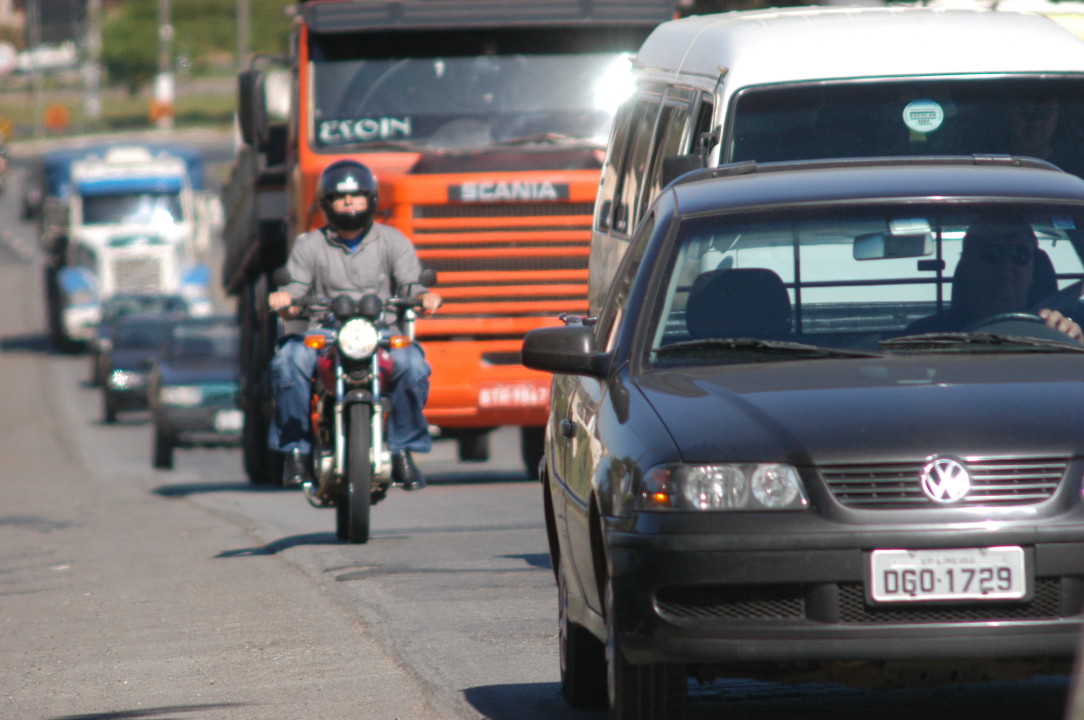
(358, 339)
(181, 395)
(763, 486)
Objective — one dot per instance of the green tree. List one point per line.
(204, 36)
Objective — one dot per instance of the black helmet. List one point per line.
(347, 177)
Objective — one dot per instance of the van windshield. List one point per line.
(1036, 116)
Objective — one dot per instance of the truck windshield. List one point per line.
(1036, 116)
(468, 101)
(137, 209)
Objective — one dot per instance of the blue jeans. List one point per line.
(292, 370)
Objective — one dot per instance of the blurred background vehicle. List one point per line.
(115, 308)
(136, 343)
(193, 388)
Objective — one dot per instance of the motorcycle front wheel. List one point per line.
(352, 509)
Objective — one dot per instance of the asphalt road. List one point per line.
(127, 592)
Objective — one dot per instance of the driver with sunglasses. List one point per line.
(996, 275)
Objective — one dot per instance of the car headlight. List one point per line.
(766, 486)
(126, 380)
(358, 339)
(185, 395)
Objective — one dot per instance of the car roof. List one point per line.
(748, 46)
(749, 184)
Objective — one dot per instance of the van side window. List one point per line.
(610, 169)
(633, 171)
(671, 138)
(612, 310)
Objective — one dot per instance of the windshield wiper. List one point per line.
(764, 349)
(545, 139)
(979, 341)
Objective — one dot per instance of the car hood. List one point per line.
(135, 359)
(838, 411)
(198, 372)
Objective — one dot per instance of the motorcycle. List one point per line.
(351, 464)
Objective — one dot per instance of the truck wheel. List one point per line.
(354, 504)
(473, 446)
(532, 443)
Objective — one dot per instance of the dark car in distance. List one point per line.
(137, 340)
(764, 458)
(113, 309)
(194, 388)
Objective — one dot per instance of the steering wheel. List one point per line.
(1019, 323)
(1067, 301)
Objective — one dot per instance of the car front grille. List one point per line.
(843, 603)
(994, 481)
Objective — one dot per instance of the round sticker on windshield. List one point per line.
(923, 116)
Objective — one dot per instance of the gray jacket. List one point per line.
(385, 263)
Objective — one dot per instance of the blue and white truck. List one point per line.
(123, 218)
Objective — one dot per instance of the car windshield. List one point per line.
(117, 307)
(204, 341)
(1036, 116)
(859, 279)
(467, 101)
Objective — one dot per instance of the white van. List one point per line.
(810, 83)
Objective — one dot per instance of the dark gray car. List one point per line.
(787, 444)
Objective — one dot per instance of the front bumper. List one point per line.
(721, 599)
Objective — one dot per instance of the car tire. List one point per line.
(473, 446)
(109, 410)
(583, 658)
(654, 691)
(532, 443)
(163, 450)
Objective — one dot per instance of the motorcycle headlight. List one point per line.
(358, 339)
(766, 486)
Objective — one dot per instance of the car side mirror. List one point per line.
(567, 349)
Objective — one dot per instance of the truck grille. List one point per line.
(503, 261)
(137, 274)
(994, 481)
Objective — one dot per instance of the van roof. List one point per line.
(789, 44)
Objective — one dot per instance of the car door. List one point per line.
(585, 450)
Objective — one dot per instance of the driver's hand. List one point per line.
(1067, 325)
(281, 302)
(431, 301)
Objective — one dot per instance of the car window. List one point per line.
(141, 335)
(1037, 117)
(612, 310)
(850, 277)
(204, 341)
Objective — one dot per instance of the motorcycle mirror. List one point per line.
(370, 306)
(343, 306)
(281, 276)
(428, 277)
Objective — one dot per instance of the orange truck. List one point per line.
(485, 124)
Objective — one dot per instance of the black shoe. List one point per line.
(295, 470)
(404, 472)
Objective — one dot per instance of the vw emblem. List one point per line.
(945, 480)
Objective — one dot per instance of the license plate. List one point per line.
(992, 573)
(228, 420)
(514, 395)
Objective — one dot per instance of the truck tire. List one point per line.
(532, 443)
(473, 446)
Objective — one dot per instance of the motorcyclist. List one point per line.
(350, 255)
